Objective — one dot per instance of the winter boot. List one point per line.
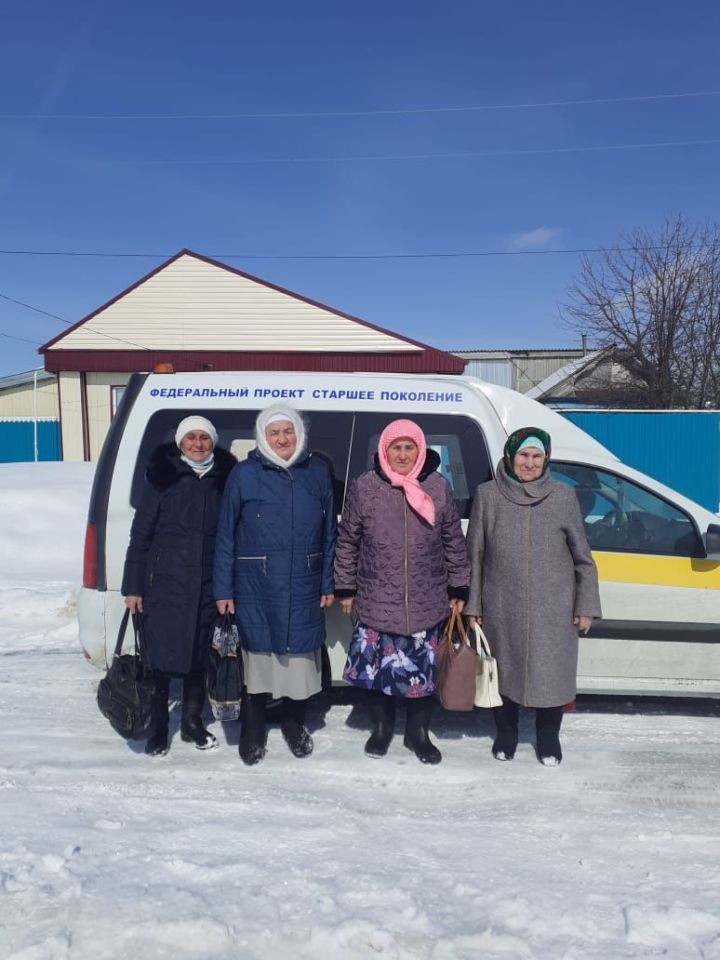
(417, 723)
(191, 725)
(383, 718)
(158, 742)
(547, 727)
(252, 734)
(506, 724)
(294, 730)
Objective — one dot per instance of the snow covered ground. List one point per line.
(105, 853)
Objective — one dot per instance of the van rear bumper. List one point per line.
(99, 616)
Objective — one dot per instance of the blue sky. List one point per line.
(318, 185)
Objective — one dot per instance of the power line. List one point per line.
(69, 323)
(28, 306)
(408, 111)
(11, 336)
(460, 155)
(321, 256)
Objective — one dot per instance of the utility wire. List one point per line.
(69, 323)
(11, 336)
(460, 155)
(409, 111)
(29, 306)
(321, 256)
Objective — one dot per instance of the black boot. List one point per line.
(191, 725)
(417, 724)
(383, 718)
(294, 729)
(547, 727)
(158, 742)
(506, 724)
(252, 734)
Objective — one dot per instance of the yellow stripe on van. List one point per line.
(658, 571)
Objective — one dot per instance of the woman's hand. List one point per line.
(583, 624)
(225, 606)
(474, 621)
(134, 604)
(457, 605)
(327, 600)
(346, 605)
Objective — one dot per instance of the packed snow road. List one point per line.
(105, 853)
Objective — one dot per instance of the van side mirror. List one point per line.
(712, 541)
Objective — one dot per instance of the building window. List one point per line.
(115, 397)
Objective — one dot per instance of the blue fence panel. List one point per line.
(681, 450)
(17, 443)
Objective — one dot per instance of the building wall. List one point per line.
(71, 415)
(98, 389)
(499, 371)
(518, 369)
(18, 401)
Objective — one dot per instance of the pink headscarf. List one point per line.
(416, 497)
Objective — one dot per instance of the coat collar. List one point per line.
(258, 457)
(166, 467)
(523, 494)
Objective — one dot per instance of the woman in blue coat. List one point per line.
(273, 570)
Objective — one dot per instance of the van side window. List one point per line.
(329, 440)
(621, 516)
(458, 440)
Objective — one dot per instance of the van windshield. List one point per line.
(346, 441)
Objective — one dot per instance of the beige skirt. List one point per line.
(297, 677)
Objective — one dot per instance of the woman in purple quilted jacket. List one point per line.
(400, 565)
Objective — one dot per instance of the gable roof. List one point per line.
(193, 304)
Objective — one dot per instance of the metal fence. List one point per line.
(24, 439)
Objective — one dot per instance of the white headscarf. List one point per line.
(196, 423)
(199, 467)
(279, 411)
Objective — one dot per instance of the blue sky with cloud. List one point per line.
(329, 130)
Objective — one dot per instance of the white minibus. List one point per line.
(657, 553)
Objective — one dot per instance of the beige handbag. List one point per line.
(487, 691)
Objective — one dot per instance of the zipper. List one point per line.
(407, 588)
(529, 599)
(292, 552)
(311, 556)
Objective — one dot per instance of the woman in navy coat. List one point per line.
(273, 569)
(168, 571)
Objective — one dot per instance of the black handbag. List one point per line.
(125, 693)
(224, 671)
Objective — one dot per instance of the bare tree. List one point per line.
(656, 300)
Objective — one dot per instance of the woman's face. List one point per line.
(402, 455)
(528, 464)
(281, 438)
(196, 445)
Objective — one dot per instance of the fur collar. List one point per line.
(166, 467)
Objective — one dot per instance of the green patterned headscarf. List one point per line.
(516, 440)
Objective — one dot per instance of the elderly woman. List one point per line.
(273, 571)
(400, 564)
(168, 571)
(534, 585)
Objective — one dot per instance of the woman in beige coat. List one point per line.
(533, 587)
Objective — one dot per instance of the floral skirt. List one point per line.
(393, 663)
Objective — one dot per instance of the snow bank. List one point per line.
(106, 854)
(43, 510)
